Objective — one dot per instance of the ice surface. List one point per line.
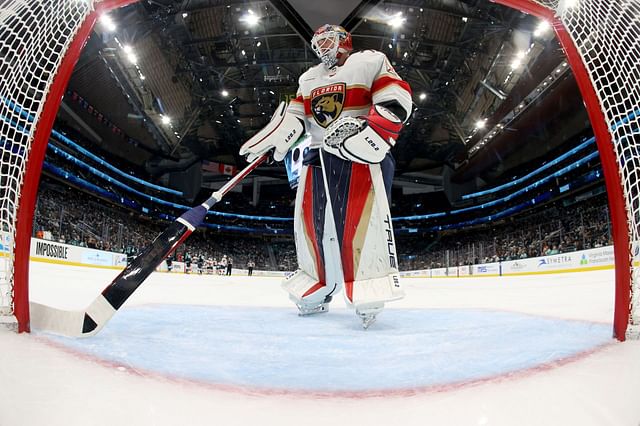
(516, 351)
(273, 348)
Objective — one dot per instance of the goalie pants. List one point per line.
(345, 237)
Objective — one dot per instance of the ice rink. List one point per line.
(201, 350)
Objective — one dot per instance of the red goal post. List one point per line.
(601, 40)
(40, 43)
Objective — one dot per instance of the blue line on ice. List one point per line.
(273, 348)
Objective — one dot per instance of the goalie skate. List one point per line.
(306, 309)
(368, 316)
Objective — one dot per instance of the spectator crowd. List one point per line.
(70, 216)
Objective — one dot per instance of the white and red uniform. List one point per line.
(366, 78)
(342, 224)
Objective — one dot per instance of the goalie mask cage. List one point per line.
(40, 41)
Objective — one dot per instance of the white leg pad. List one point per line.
(373, 293)
(304, 289)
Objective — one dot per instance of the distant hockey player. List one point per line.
(222, 265)
(353, 105)
(229, 266)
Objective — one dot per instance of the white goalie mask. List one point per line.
(330, 42)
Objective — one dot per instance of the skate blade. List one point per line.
(307, 313)
(366, 323)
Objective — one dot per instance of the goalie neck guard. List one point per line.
(330, 43)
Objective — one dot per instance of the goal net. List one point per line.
(601, 40)
(40, 41)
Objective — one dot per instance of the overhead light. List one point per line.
(515, 64)
(224, 93)
(542, 28)
(465, 19)
(165, 119)
(250, 18)
(397, 20)
(185, 14)
(423, 96)
(107, 23)
(481, 123)
(390, 46)
(142, 77)
(243, 52)
(258, 44)
(128, 50)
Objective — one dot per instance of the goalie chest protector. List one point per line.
(324, 95)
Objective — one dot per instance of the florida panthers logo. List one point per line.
(327, 103)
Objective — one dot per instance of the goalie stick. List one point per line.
(91, 320)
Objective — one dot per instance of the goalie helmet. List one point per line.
(330, 43)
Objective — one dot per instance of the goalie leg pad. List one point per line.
(305, 289)
(367, 244)
(315, 243)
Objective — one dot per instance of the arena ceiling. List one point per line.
(190, 80)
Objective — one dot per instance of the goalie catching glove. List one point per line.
(364, 139)
(279, 134)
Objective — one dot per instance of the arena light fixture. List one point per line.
(481, 123)
(423, 96)
(224, 93)
(397, 20)
(107, 23)
(165, 119)
(131, 56)
(250, 18)
(542, 28)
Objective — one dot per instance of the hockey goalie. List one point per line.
(353, 106)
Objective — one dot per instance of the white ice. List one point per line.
(45, 383)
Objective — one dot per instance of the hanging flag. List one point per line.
(219, 168)
(227, 169)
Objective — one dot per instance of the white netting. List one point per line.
(34, 36)
(607, 36)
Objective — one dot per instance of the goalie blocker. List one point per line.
(282, 131)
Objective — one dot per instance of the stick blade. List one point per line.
(56, 321)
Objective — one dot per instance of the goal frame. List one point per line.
(35, 159)
(608, 159)
(616, 198)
